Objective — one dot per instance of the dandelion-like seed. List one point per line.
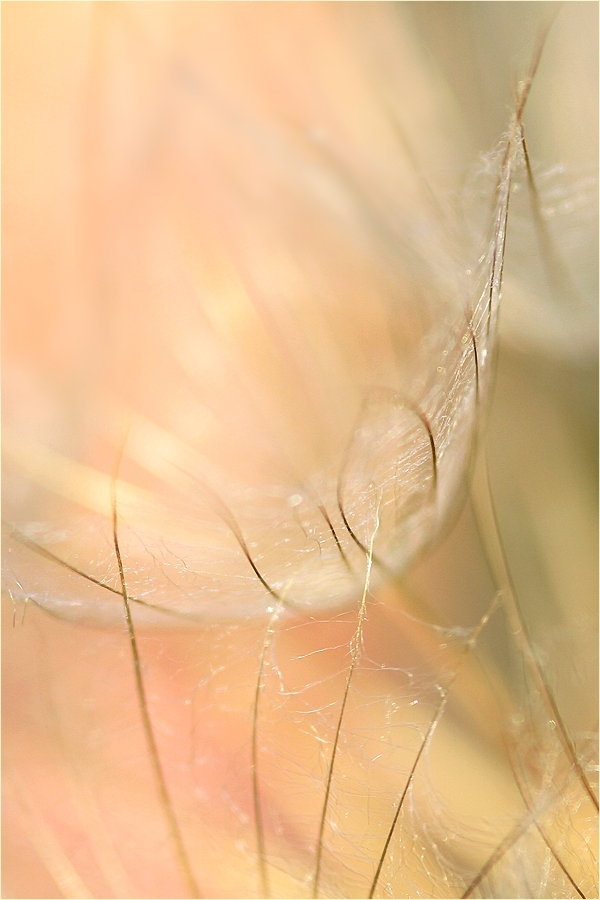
(282, 619)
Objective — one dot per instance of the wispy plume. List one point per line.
(273, 258)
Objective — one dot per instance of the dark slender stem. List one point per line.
(325, 515)
(428, 734)
(355, 648)
(509, 841)
(52, 557)
(165, 800)
(400, 403)
(498, 563)
(529, 805)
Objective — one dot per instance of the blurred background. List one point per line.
(223, 226)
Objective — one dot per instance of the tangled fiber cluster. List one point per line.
(299, 457)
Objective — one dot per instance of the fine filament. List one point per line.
(280, 597)
(354, 652)
(161, 785)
